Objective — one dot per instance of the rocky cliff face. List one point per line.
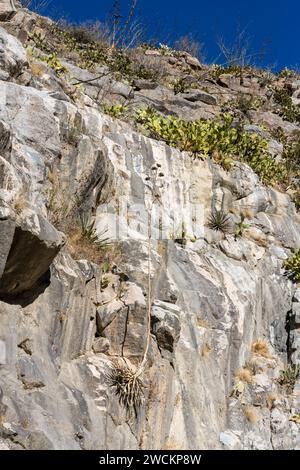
(224, 317)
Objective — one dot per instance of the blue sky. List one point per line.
(272, 24)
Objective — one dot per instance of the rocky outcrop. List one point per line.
(221, 303)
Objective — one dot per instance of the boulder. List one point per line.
(199, 95)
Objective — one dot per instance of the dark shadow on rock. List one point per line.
(28, 297)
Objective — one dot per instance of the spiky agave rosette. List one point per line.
(127, 385)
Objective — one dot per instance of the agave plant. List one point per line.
(127, 386)
(219, 221)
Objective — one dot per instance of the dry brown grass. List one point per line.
(244, 375)
(81, 247)
(261, 348)
(251, 414)
(19, 202)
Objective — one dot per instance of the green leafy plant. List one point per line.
(55, 64)
(291, 156)
(180, 85)
(288, 377)
(288, 73)
(246, 103)
(296, 200)
(292, 266)
(240, 227)
(286, 109)
(295, 418)
(106, 267)
(237, 70)
(219, 137)
(182, 239)
(219, 221)
(88, 228)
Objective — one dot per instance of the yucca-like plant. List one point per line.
(219, 221)
(292, 266)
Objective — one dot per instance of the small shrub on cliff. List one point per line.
(288, 73)
(88, 32)
(244, 375)
(291, 156)
(240, 227)
(89, 231)
(237, 70)
(55, 64)
(296, 201)
(147, 67)
(292, 266)
(287, 110)
(288, 377)
(115, 110)
(180, 85)
(295, 418)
